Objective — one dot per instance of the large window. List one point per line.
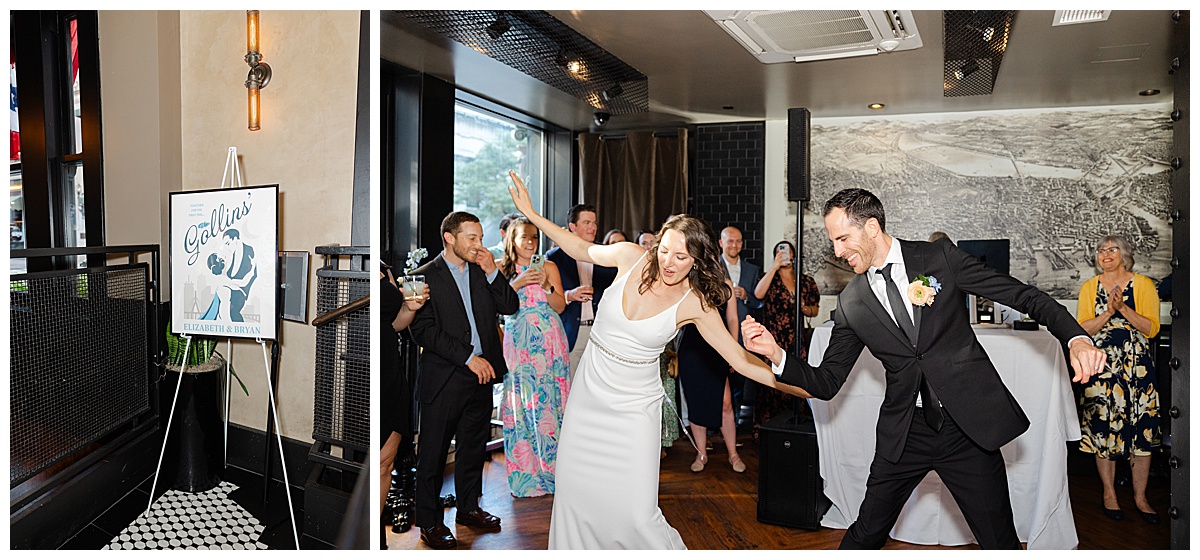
(486, 147)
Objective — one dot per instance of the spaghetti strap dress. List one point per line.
(608, 452)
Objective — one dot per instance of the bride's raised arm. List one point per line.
(619, 255)
(713, 329)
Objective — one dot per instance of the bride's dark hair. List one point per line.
(707, 276)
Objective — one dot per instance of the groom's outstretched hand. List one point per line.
(759, 340)
(1086, 359)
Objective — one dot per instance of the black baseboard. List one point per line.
(54, 517)
(246, 448)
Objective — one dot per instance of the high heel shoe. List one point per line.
(1149, 517)
(738, 465)
(1114, 514)
(698, 464)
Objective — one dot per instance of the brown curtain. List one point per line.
(634, 181)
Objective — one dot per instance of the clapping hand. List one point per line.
(1116, 300)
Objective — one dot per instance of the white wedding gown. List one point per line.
(606, 478)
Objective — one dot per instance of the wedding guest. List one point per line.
(614, 236)
(395, 393)
(535, 351)
(497, 250)
(645, 238)
(777, 290)
(461, 360)
(705, 375)
(1119, 309)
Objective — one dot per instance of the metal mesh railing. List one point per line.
(342, 413)
(80, 360)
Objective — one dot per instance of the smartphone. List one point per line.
(537, 261)
(787, 252)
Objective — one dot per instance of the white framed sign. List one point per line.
(223, 254)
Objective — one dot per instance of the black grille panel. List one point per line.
(543, 47)
(975, 41)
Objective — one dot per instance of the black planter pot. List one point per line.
(197, 437)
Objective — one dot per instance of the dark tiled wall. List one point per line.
(728, 180)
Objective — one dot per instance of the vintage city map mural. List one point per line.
(1051, 182)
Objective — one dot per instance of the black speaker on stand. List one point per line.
(799, 175)
(790, 490)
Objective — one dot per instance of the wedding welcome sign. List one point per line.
(223, 269)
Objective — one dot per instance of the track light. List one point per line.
(986, 32)
(612, 93)
(498, 27)
(573, 65)
(966, 69)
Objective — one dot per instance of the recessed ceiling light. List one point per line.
(727, 107)
(1148, 92)
(875, 106)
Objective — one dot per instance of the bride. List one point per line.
(608, 460)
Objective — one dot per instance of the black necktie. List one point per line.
(933, 412)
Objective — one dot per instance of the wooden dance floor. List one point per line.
(715, 509)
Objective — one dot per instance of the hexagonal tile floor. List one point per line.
(185, 521)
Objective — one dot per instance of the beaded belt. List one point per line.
(618, 357)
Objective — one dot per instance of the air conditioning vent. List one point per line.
(1069, 17)
(804, 35)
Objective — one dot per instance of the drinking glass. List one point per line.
(413, 287)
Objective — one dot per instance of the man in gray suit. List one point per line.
(744, 276)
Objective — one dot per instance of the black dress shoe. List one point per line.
(1149, 517)
(438, 537)
(478, 519)
(1114, 514)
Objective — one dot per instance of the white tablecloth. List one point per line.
(1032, 366)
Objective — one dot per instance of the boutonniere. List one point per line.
(922, 289)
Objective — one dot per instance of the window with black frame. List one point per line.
(55, 100)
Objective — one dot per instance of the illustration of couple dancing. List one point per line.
(235, 271)
(608, 456)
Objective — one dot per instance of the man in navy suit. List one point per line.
(463, 357)
(583, 283)
(744, 275)
(945, 408)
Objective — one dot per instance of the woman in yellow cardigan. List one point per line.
(1120, 406)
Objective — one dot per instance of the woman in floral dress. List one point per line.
(1120, 405)
(535, 350)
(777, 290)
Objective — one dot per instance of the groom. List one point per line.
(945, 407)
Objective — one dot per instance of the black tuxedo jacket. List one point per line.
(947, 352)
(568, 270)
(441, 326)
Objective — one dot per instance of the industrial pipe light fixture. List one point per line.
(260, 72)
